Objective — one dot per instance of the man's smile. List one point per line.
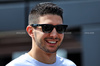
(51, 43)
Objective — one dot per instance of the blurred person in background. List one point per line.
(46, 29)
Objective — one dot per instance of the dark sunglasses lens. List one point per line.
(61, 28)
(47, 28)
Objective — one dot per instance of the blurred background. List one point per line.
(81, 43)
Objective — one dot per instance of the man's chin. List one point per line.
(51, 50)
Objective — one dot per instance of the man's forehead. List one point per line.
(53, 19)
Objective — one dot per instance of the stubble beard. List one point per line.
(39, 43)
(43, 47)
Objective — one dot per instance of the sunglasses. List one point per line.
(47, 28)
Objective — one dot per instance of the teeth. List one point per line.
(51, 41)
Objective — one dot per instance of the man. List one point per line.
(47, 32)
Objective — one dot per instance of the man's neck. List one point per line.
(42, 56)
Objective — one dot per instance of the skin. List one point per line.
(42, 50)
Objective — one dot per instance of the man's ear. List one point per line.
(29, 30)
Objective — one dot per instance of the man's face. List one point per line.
(48, 42)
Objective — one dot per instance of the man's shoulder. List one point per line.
(65, 61)
(18, 61)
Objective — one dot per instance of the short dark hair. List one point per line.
(44, 9)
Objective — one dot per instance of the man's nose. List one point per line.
(54, 33)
